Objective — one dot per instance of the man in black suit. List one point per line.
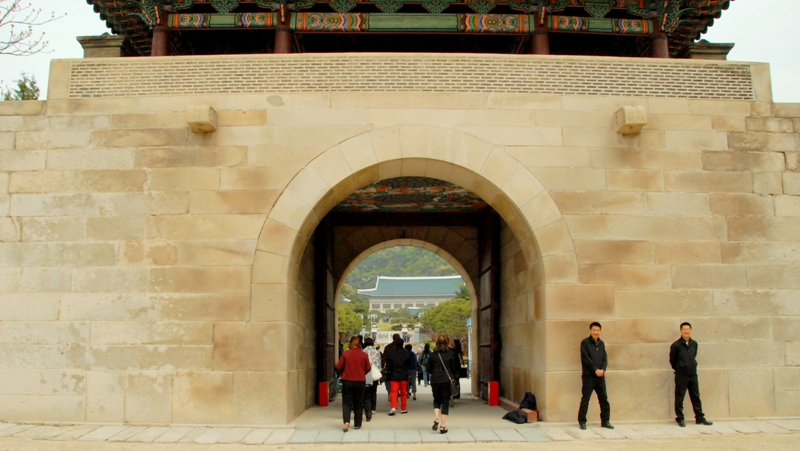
(594, 361)
(683, 358)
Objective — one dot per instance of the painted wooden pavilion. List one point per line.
(634, 28)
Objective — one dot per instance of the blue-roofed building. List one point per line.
(413, 293)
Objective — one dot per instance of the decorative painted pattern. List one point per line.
(332, 22)
(189, 21)
(633, 26)
(494, 23)
(567, 23)
(412, 194)
(256, 20)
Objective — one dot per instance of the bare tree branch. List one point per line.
(17, 28)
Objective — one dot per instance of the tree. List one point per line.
(27, 89)
(449, 318)
(17, 34)
(350, 322)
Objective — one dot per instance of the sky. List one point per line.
(763, 31)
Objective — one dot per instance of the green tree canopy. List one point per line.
(27, 89)
(350, 322)
(449, 318)
(398, 261)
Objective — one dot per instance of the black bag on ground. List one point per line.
(516, 416)
(528, 402)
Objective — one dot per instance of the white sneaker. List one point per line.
(393, 412)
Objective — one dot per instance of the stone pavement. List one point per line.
(470, 421)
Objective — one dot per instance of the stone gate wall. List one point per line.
(146, 276)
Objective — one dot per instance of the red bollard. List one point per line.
(494, 393)
(323, 394)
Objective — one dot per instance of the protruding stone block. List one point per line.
(630, 120)
(201, 118)
(103, 46)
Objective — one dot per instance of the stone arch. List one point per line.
(482, 167)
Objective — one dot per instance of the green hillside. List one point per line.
(400, 261)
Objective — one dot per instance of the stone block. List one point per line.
(213, 253)
(28, 356)
(687, 252)
(209, 227)
(110, 279)
(44, 332)
(728, 123)
(753, 303)
(149, 204)
(791, 183)
(677, 204)
(57, 254)
(115, 228)
(593, 119)
(646, 159)
(742, 205)
(148, 333)
(148, 398)
(787, 403)
(769, 124)
(9, 229)
(626, 276)
(42, 382)
(793, 353)
(655, 228)
(634, 180)
(733, 329)
(714, 392)
(201, 118)
(270, 177)
(719, 107)
(138, 138)
(635, 356)
(752, 392)
(76, 181)
(148, 253)
(29, 307)
(744, 161)
(709, 276)
(36, 408)
(763, 142)
(232, 202)
(787, 109)
(709, 182)
(261, 397)
(250, 347)
(607, 137)
(554, 238)
(22, 108)
(200, 279)
(241, 118)
(683, 122)
(183, 179)
(630, 120)
(571, 179)
(787, 206)
(764, 229)
(147, 121)
(535, 156)
(143, 357)
(792, 160)
(105, 397)
(54, 205)
(561, 268)
(52, 139)
(201, 156)
(272, 303)
(767, 183)
(663, 303)
(568, 301)
(594, 202)
(46, 279)
(659, 331)
(10, 280)
(31, 160)
(614, 251)
(696, 140)
(786, 379)
(757, 354)
(773, 276)
(562, 349)
(92, 107)
(667, 105)
(90, 159)
(141, 307)
(202, 398)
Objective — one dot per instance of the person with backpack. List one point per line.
(423, 363)
(443, 366)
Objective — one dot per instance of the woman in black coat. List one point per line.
(397, 365)
(443, 367)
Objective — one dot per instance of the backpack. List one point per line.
(516, 416)
(425, 358)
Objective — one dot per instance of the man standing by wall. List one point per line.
(594, 361)
(683, 358)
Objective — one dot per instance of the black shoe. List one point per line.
(369, 418)
(607, 425)
(681, 423)
(582, 426)
(704, 422)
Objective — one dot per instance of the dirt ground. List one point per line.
(788, 442)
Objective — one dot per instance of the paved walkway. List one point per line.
(470, 421)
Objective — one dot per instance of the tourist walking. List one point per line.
(442, 367)
(354, 366)
(683, 358)
(397, 364)
(412, 372)
(371, 390)
(594, 361)
(423, 363)
(455, 345)
(386, 350)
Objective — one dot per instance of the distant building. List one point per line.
(413, 293)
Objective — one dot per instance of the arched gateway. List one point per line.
(537, 247)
